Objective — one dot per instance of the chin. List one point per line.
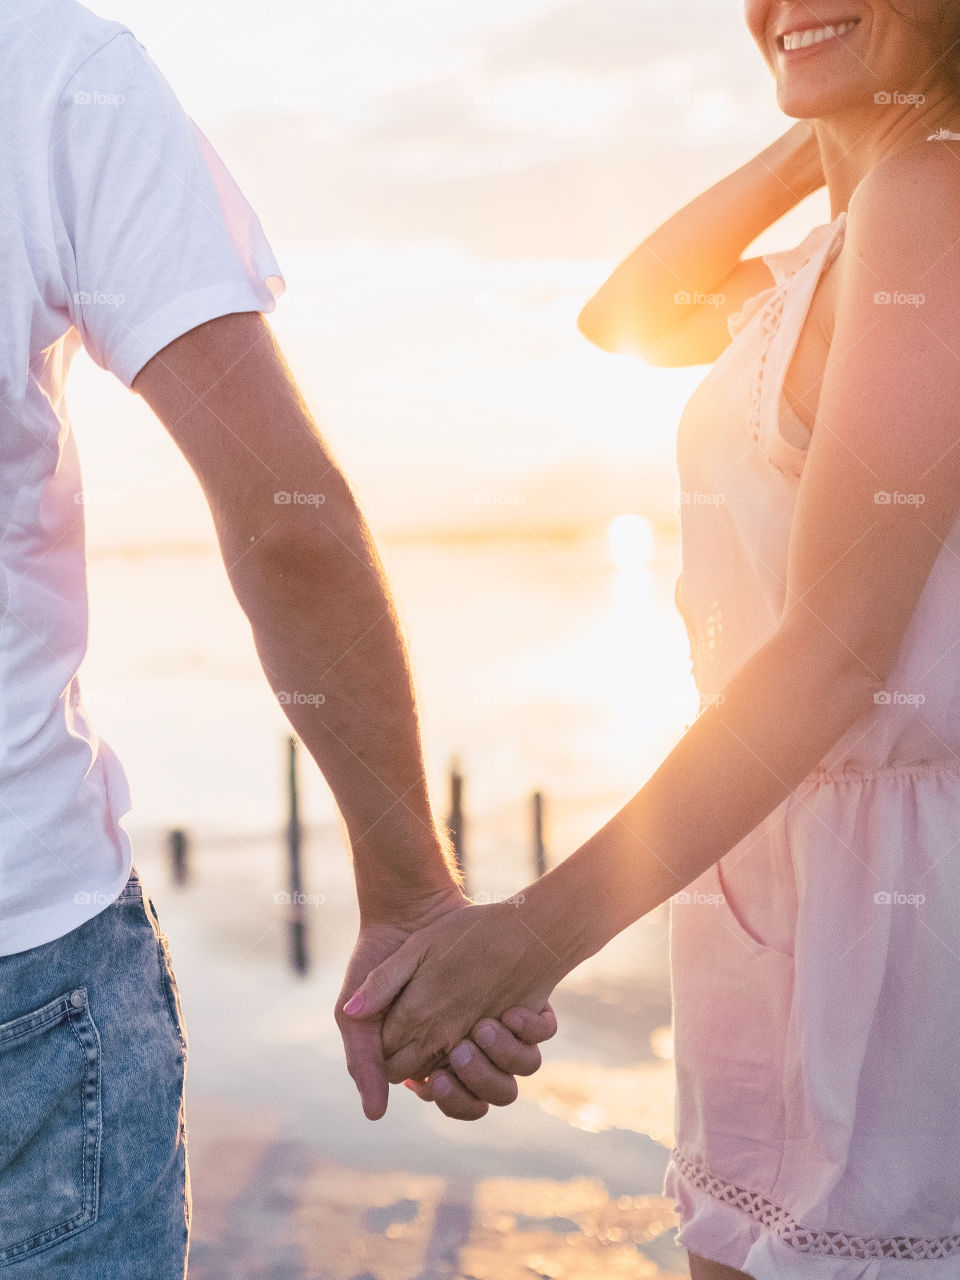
(816, 103)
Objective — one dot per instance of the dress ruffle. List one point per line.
(723, 1233)
(783, 263)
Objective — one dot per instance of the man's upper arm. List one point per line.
(226, 396)
(151, 236)
(880, 489)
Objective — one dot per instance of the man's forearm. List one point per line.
(304, 569)
(327, 635)
(781, 713)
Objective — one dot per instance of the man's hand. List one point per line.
(465, 966)
(498, 1052)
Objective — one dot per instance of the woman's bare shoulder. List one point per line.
(912, 181)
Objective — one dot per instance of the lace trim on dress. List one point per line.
(837, 1244)
(769, 325)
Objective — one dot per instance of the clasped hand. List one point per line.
(474, 973)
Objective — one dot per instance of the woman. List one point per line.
(811, 813)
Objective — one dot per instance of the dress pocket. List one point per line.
(750, 913)
(50, 1126)
(732, 997)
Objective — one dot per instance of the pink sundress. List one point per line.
(815, 968)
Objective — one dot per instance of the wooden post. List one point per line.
(298, 924)
(539, 849)
(178, 856)
(457, 823)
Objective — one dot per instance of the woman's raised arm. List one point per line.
(669, 301)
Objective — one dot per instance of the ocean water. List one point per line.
(559, 666)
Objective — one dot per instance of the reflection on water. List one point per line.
(393, 1227)
(560, 666)
(595, 1098)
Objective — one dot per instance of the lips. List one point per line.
(808, 34)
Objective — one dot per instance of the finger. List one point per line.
(504, 1050)
(383, 984)
(454, 1099)
(421, 1088)
(413, 1061)
(364, 1052)
(477, 1073)
(530, 1027)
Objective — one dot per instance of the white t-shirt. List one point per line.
(120, 228)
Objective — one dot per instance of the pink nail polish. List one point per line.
(355, 1004)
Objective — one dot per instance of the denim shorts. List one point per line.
(94, 1183)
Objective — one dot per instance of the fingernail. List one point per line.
(461, 1055)
(442, 1085)
(486, 1034)
(356, 1003)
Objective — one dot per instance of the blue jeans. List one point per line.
(94, 1182)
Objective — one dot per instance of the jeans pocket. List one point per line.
(50, 1126)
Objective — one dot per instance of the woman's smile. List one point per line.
(807, 40)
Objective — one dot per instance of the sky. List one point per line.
(444, 185)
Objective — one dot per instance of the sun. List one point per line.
(630, 541)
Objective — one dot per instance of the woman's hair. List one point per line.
(944, 25)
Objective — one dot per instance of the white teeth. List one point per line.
(814, 35)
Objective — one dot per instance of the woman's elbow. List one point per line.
(610, 326)
(593, 324)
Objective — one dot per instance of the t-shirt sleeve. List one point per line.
(153, 236)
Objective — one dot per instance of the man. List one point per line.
(121, 229)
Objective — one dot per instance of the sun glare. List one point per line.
(630, 541)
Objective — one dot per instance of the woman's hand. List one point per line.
(472, 963)
(500, 1052)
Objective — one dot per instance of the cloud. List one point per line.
(575, 133)
(624, 36)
